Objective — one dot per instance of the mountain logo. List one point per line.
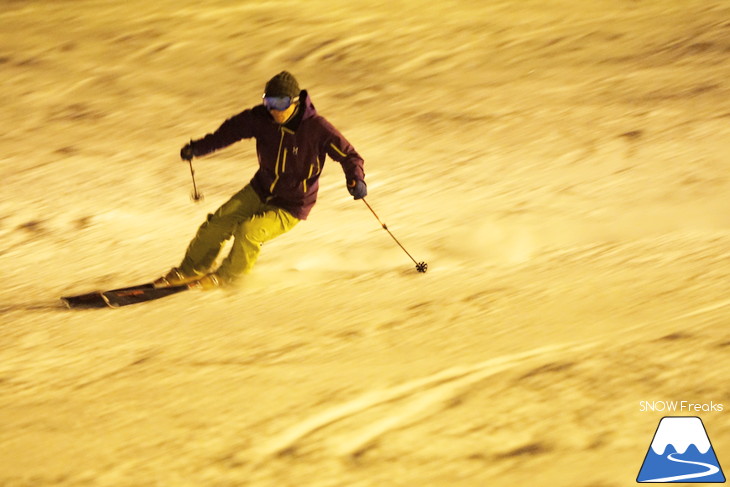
(681, 452)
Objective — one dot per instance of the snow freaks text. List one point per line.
(680, 406)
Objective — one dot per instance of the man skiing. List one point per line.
(292, 142)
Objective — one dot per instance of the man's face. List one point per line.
(281, 108)
(281, 116)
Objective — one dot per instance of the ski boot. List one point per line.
(176, 277)
(206, 283)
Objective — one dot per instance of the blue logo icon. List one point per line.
(681, 452)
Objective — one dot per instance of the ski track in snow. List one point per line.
(418, 399)
(411, 401)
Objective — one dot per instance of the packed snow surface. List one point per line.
(561, 166)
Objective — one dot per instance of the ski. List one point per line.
(95, 299)
(116, 298)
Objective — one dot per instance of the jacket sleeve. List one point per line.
(340, 150)
(232, 130)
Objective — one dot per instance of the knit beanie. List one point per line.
(283, 84)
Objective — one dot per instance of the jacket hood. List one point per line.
(306, 110)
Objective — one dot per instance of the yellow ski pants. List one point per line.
(249, 221)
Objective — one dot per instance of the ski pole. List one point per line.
(420, 266)
(196, 196)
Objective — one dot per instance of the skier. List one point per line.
(292, 141)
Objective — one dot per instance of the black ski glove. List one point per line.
(357, 188)
(187, 153)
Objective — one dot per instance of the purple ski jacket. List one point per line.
(291, 156)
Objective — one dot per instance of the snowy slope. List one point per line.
(561, 167)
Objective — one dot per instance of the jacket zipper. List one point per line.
(278, 160)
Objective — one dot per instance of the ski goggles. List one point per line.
(279, 102)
